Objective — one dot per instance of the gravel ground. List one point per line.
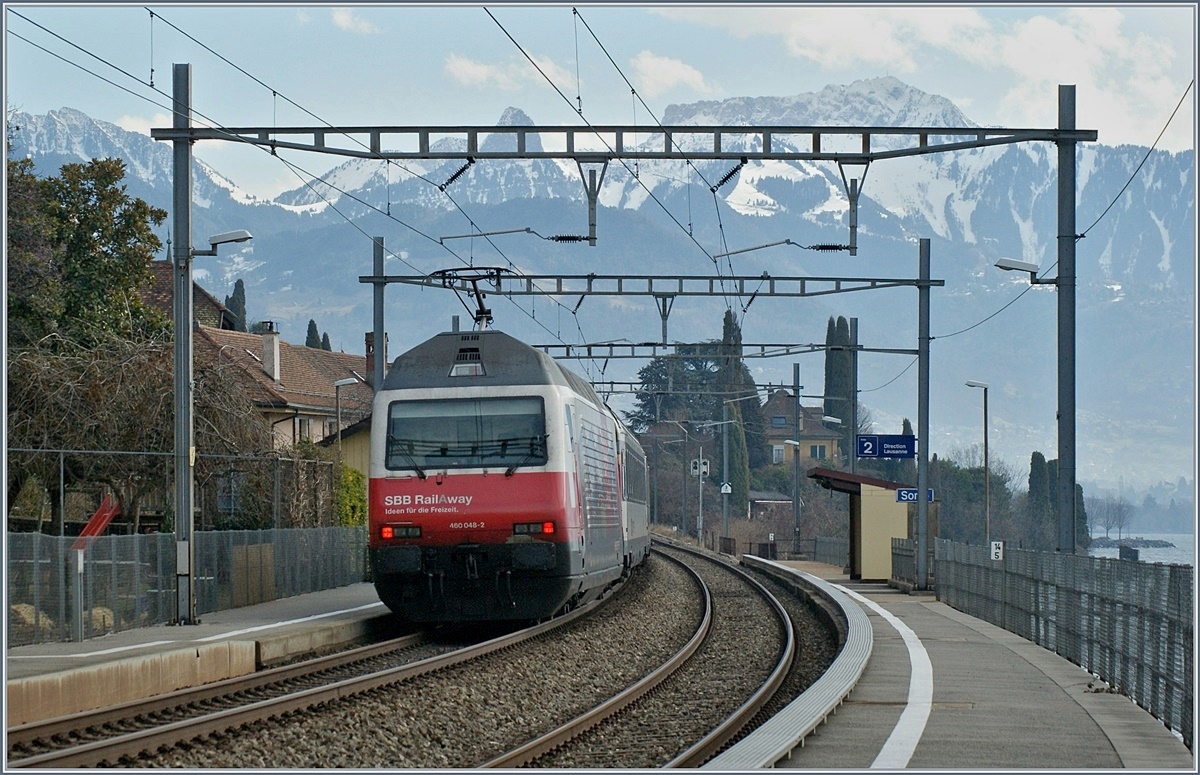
(463, 717)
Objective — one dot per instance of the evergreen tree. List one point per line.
(79, 251)
(314, 338)
(735, 383)
(237, 305)
(839, 390)
(830, 341)
(33, 283)
(325, 342)
(1043, 531)
(678, 388)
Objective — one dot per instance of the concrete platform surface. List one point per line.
(997, 701)
(54, 679)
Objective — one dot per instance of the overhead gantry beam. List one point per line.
(648, 350)
(597, 144)
(506, 283)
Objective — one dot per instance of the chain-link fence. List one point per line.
(57, 491)
(65, 588)
(1130, 623)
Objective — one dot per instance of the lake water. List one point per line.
(1183, 553)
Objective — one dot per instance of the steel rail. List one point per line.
(714, 741)
(30, 733)
(136, 743)
(562, 735)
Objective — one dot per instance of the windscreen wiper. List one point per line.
(394, 446)
(534, 448)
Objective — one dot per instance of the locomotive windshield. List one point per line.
(466, 433)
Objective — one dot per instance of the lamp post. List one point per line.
(987, 500)
(337, 400)
(1065, 286)
(687, 437)
(795, 490)
(185, 446)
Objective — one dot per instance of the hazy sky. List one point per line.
(383, 64)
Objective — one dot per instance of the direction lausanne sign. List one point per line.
(886, 446)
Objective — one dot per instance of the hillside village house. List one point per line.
(819, 444)
(292, 385)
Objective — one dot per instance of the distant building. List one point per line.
(206, 310)
(819, 444)
(292, 385)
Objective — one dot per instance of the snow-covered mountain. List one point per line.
(1136, 262)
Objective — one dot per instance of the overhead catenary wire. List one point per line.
(650, 193)
(441, 187)
(293, 167)
(713, 189)
(1083, 234)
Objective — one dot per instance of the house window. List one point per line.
(777, 453)
(779, 421)
(817, 452)
(305, 428)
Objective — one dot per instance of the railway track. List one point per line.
(122, 734)
(683, 712)
(459, 709)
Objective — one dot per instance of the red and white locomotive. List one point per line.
(502, 487)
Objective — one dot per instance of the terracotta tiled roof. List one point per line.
(206, 310)
(306, 374)
(782, 402)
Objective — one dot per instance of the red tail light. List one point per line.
(547, 528)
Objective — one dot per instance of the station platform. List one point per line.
(54, 679)
(985, 698)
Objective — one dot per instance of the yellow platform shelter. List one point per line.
(876, 517)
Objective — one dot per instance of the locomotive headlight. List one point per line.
(533, 528)
(388, 532)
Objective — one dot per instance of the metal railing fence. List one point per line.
(116, 583)
(1130, 623)
(904, 560)
(833, 551)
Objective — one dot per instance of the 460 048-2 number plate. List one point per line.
(467, 525)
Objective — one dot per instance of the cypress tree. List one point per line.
(325, 345)
(313, 339)
(237, 305)
(839, 390)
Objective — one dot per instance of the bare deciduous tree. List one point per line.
(116, 398)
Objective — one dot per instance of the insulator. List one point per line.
(457, 175)
(828, 246)
(567, 238)
(728, 175)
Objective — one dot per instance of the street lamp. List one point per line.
(185, 446)
(337, 400)
(829, 420)
(987, 500)
(795, 489)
